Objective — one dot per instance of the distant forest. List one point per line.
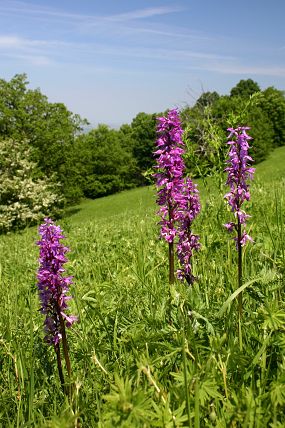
(48, 162)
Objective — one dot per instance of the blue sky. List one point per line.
(108, 60)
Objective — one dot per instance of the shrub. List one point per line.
(26, 197)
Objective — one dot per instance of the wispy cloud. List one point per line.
(27, 50)
(51, 52)
(8, 42)
(36, 60)
(25, 8)
(16, 43)
(143, 13)
(173, 32)
(239, 69)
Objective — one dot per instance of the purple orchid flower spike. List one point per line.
(52, 284)
(178, 198)
(53, 289)
(169, 177)
(239, 172)
(188, 209)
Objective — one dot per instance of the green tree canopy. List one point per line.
(273, 104)
(207, 99)
(104, 166)
(245, 88)
(144, 136)
(49, 127)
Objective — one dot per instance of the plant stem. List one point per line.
(185, 379)
(239, 281)
(197, 408)
(69, 388)
(239, 266)
(59, 365)
(171, 248)
(171, 262)
(65, 346)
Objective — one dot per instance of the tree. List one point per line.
(207, 99)
(25, 199)
(237, 111)
(273, 104)
(105, 166)
(49, 128)
(262, 133)
(245, 88)
(206, 131)
(144, 136)
(204, 138)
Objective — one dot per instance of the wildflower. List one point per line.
(239, 172)
(177, 197)
(52, 284)
(188, 208)
(170, 166)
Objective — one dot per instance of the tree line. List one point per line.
(47, 161)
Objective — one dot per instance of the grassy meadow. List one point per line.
(145, 354)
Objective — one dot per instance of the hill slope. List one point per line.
(142, 199)
(144, 353)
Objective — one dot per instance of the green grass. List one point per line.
(130, 202)
(145, 354)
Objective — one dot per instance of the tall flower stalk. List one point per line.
(187, 210)
(169, 178)
(177, 197)
(53, 289)
(239, 172)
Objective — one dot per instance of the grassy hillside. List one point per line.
(139, 200)
(145, 354)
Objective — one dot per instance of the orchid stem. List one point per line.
(171, 262)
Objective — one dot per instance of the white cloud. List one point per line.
(143, 13)
(241, 69)
(18, 7)
(16, 42)
(7, 42)
(36, 60)
(51, 46)
(27, 50)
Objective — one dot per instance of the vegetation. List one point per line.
(25, 196)
(113, 160)
(145, 354)
(49, 128)
(105, 166)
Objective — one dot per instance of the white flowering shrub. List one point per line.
(25, 197)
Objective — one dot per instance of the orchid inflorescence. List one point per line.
(187, 210)
(170, 165)
(239, 172)
(52, 284)
(178, 197)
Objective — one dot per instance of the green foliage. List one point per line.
(49, 128)
(104, 166)
(144, 354)
(207, 99)
(144, 135)
(204, 140)
(261, 131)
(25, 199)
(273, 103)
(106, 161)
(206, 127)
(245, 88)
